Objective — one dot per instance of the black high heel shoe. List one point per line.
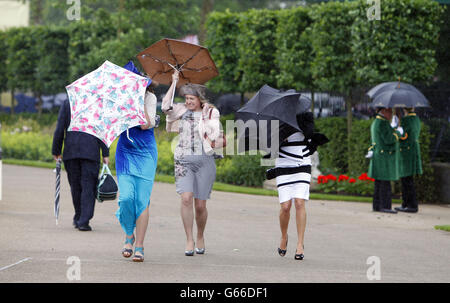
(282, 252)
(299, 256)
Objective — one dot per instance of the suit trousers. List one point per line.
(409, 193)
(382, 196)
(83, 180)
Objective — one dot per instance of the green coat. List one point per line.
(410, 160)
(384, 164)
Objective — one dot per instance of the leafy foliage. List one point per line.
(222, 34)
(257, 49)
(331, 31)
(402, 44)
(294, 52)
(333, 155)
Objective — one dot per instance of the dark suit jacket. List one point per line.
(77, 145)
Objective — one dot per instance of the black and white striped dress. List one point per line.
(294, 163)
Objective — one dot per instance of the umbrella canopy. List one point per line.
(192, 61)
(270, 104)
(107, 101)
(256, 137)
(397, 94)
(57, 189)
(282, 106)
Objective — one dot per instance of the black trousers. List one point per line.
(83, 180)
(382, 196)
(409, 193)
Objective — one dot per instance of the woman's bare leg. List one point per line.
(187, 216)
(201, 216)
(285, 211)
(300, 212)
(141, 227)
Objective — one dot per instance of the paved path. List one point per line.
(241, 240)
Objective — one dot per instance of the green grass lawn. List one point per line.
(217, 185)
(443, 227)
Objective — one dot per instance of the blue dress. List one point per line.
(135, 167)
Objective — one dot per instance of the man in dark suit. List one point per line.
(81, 158)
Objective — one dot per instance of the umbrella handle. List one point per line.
(173, 95)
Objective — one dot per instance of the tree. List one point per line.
(3, 57)
(207, 7)
(294, 51)
(21, 60)
(52, 66)
(257, 49)
(402, 44)
(332, 66)
(221, 40)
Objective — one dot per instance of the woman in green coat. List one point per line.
(410, 160)
(384, 164)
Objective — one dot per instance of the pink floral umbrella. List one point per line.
(107, 101)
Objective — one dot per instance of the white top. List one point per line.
(292, 156)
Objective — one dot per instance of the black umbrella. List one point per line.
(270, 104)
(397, 94)
(57, 189)
(257, 136)
(278, 105)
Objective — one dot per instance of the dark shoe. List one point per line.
(386, 210)
(400, 208)
(411, 210)
(84, 227)
(75, 224)
(282, 252)
(299, 256)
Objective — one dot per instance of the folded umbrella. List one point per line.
(397, 94)
(107, 101)
(57, 189)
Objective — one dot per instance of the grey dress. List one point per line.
(195, 171)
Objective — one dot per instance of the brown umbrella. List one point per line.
(192, 61)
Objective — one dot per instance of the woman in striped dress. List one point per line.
(293, 167)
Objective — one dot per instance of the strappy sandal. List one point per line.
(138, 258)
(127, 252)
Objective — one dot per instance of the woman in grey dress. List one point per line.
(198, 126)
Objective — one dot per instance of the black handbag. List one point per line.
(107, 187)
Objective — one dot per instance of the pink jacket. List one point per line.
(209, 125)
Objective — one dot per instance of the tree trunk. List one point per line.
(36, 8)
(39, 105)
(12, 102)
(121, 9)
(207, 7)
(348, 104)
